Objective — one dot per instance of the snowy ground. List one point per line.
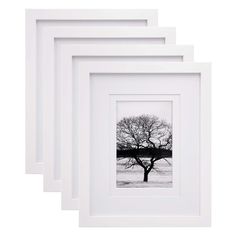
(133, 177)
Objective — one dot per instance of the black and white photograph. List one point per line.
(144, 144)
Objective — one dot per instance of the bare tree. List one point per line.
(143, 140)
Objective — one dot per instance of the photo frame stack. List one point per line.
(118, 118)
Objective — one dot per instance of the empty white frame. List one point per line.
(68, 112)
(36, 22)
(101, 87)
(105, 35)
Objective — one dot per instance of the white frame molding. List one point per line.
(62, 18)
(65, 77)
(145, 35)
(201, 69)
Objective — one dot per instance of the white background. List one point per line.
(209, 25)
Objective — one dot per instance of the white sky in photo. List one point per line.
(161, 109)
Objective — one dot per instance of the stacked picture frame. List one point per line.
(118, 118)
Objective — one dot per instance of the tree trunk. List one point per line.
(145, 177)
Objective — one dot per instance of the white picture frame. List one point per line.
(98, 205)
(121, 35)
(36, 21)
(67, 53)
